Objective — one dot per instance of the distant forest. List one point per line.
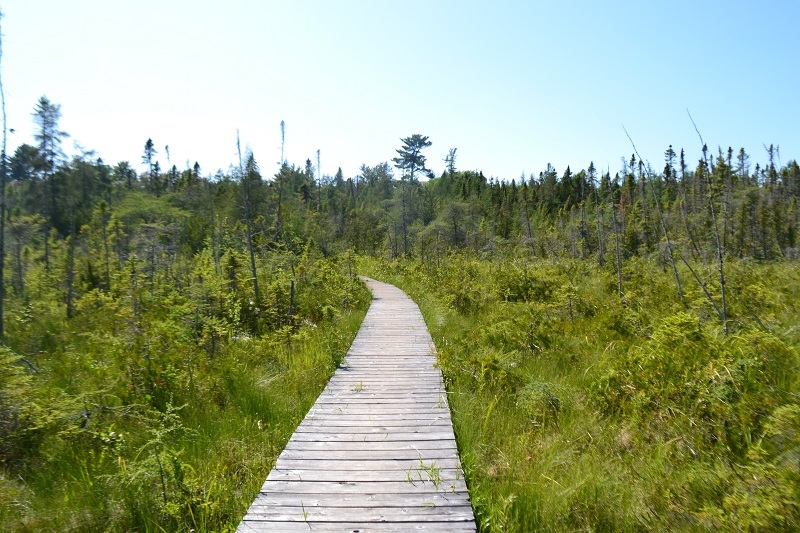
(397, 209)
(102, 216)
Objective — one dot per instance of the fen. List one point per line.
(155, 357)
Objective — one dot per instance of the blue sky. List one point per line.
(512, 85)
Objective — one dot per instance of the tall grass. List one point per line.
(575, 410)
(149, 429)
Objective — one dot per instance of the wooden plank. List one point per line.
(412, 388)
(413, 481)
(387, 410)
(383, 445)
(451, 513)
(288, 499)
(397, 399)
(254, 526)
(426, 412)
(322, 421)
(355, 465)
(426, 432)
(282, 482)
(388, 374)
(427, 455)
(376, 419)
(377, 415)
(398, 436)
(376, 452)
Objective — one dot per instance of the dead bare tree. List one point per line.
(720, 254)
(685, 210)
(598, 217)
(319, 183)
(616, 244)
(660, 218)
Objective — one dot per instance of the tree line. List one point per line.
(105, 214)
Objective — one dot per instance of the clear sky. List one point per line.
(512, 85)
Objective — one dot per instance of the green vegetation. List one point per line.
(148, 380)
(577, 410)
(620, 351)
(159, 411)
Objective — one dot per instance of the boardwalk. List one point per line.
(376, 452)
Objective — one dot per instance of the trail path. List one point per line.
(376, 452)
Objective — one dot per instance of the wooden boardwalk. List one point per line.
(376, 452)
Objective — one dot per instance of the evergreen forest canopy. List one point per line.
(578, 213)
(166, 330)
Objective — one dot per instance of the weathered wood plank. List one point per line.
(362, 432)
(371, 455)
(364, 387)
(397, 399)
(321, 422)
(255, 526)
(384, 445)
(453, 513)
(366, 410)
(392, 499)
(386, 436)
(376, 416)
(281, 483)
(413, 481)
(376, 452)
(359, 465)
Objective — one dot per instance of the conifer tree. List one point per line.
(410, 159)
(46, 116)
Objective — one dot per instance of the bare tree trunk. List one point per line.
(616, 245)
(584, 232)
(599, 218)
(685, 211)
(726, 213)
(279, 214)
(527, 216)
(649, 178)
(669, 243)
(705, 290)
(319, 184)
(720, 254)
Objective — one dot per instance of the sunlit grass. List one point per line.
(558, 427)
(99, 455)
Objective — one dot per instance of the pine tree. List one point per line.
(46, 116)
(410, 159)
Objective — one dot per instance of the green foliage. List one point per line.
(576, 409)
(162, 403)
(587, 394)
(24, 420)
